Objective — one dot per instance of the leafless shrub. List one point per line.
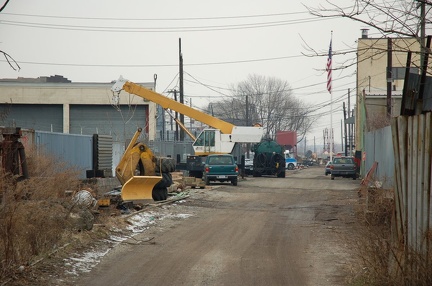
(34, 212)
(386, 261)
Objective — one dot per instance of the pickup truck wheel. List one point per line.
(290, 166)
(207, 181)
(332, 177)
(234, 182)
(354, 177)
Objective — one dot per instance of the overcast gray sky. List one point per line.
(222, 43)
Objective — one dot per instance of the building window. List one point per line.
(399, 72)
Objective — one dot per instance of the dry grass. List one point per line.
(34, 213)
(385, 261)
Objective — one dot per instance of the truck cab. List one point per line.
(222, 168)
(290, 161)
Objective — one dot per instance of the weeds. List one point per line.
(386, 261)
(34, 213)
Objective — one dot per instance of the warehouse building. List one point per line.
(56, 104)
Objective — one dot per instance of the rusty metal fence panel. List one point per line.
(412, 148)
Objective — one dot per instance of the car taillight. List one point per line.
(331, 167)
(207, 169)
(236, 168)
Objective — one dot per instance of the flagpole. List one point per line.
(330, 89)
(331, 126)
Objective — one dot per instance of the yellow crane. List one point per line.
(220, 139)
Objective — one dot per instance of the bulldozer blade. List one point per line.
(139, 188)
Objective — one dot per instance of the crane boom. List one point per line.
(167, 103)
(220, 140)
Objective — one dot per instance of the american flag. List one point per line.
(329, 69)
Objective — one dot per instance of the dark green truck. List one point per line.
(222, 168)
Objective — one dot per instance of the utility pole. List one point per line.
(247, 110)
(314, 146)
(247, 124)
(389, 76)
(348, 147)
(181, 88)
(305, 147)
(345, 130)
(342, 135)
(162, 115)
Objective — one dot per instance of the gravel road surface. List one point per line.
(265, 231)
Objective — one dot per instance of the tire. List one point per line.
(165, 164)
(156, 194)
(354, 177)
(281, 174)
(160, 194)
(234, 182)
(332, 177)
(165, 182)
(207, 181)
(290, 166)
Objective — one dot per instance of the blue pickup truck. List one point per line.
(222, 168)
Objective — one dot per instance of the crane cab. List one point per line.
(213, 141)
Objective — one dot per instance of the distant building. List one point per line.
(57, 104)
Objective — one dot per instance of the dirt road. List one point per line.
(265, 231)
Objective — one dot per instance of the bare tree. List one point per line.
(12, 63)
(390, 18)
(267, 101)
(401, 18)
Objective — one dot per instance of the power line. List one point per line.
(160, 19)
(159, 65)
(162, 29)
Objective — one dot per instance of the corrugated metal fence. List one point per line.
(379, 148)
(403, 152)
(412, 149)
(75, 150)
(171, 149)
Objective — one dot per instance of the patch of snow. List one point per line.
(84, 262)
(138, 223)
